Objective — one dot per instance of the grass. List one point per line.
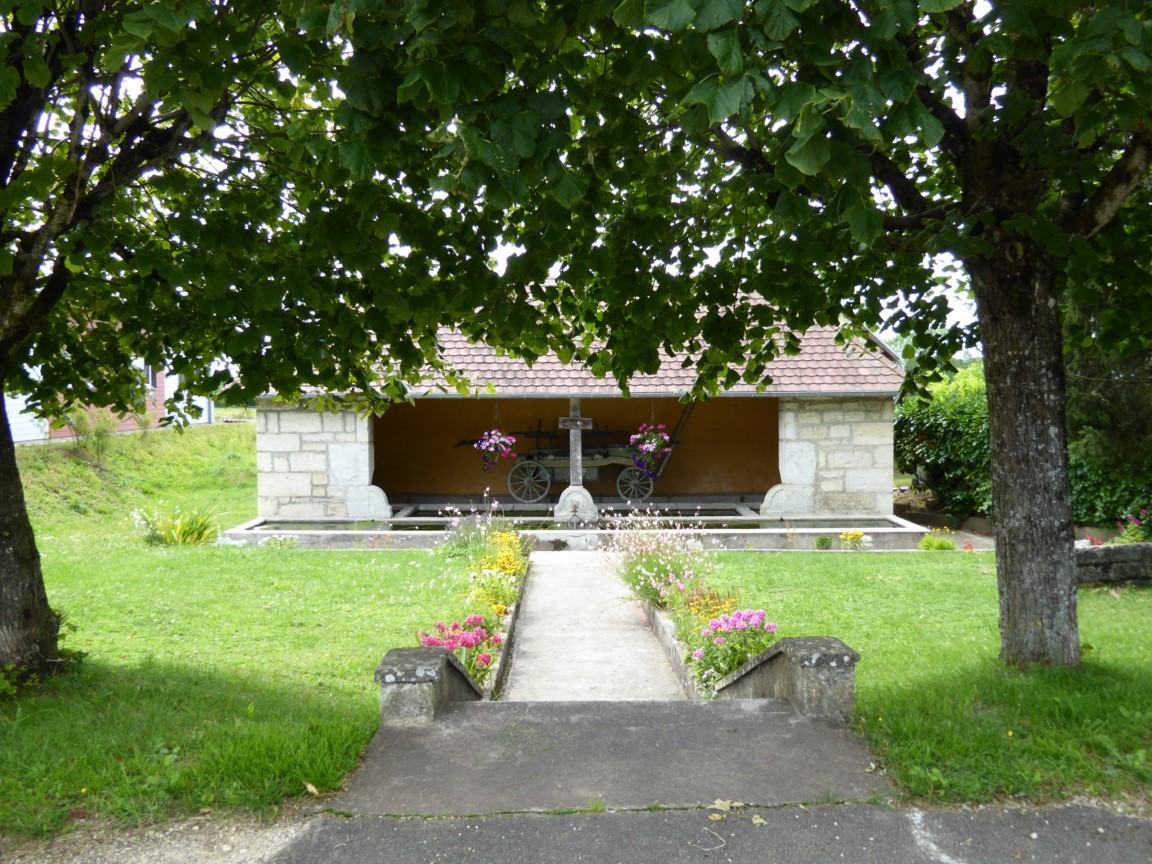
(216, 677)
(947, 720)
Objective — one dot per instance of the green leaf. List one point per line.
(1068, 99)
(569, 189)
(931, 6)
(865, 223)
(670, 15)
(442, 86)
(9, 83)
(721, 98)
(724, 45)
(793, 98)
(630, 14)
(931, 129)
(809, 155)
(356, 156)
(716, 13)
(779, 22)
(1135, 58)
(36, 70)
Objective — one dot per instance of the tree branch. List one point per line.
(1102, 206)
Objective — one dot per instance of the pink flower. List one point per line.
(483, 660)
(473, 620)
(719, 640)
(432, 641)
(698, 654)
(451, 644)
(770, 627)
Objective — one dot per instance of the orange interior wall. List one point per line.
(728, 446)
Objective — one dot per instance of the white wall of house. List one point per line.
(315, 465)
(25, 427)
(836, 458)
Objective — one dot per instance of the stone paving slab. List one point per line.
(490, 757)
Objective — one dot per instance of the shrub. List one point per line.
(94, 430)
(823, 543)
(943, 440)
(176, 527)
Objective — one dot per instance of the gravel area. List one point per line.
(207, 839)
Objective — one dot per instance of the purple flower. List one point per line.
(719, 640)
(698, 654)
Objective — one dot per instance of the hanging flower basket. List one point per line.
(649, 445)
(494, 445)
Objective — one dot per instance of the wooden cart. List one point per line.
(531, 475)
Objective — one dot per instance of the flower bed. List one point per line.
(497, 563)
(669, 571)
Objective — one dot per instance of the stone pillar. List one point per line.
(835, 458)
(315, 465)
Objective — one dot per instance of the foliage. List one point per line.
(944, 719)
(943, 439)
(823, 543)
(938, 540)
(172, 526)
(650, 444)
(1101, 495)
(494, 445)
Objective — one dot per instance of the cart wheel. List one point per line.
(634, 485)
(528, 481)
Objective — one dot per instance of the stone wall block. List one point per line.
(301, 420)
(306, 461)
(278, 442)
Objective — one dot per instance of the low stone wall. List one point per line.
(1122, 562)
(817, 674)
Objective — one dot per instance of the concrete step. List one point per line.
(489, 757)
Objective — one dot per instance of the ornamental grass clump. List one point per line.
(473, 642)
(175, 527)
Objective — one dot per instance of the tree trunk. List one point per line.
(1031, 496)
(28, 627)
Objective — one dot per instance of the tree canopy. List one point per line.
(310, 189)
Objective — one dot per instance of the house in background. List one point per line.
(816, 443)
(28, 428)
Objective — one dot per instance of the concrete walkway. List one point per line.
(582, 637)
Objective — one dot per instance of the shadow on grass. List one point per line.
(987, 731)
(141, 743)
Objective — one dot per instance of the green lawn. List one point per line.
(216, 677)
(944, 717)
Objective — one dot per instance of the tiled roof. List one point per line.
(821, 368)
